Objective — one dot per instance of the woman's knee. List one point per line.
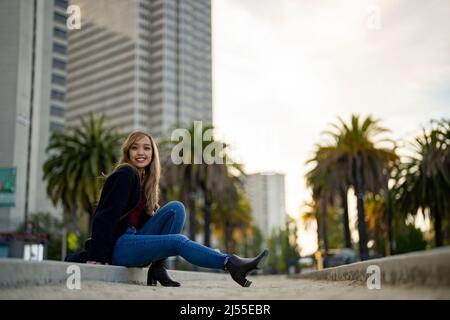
(178, 240)
(178, 207)
(180, 237)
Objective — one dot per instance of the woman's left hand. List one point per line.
(95, 262)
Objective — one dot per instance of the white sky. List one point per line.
(284, 69)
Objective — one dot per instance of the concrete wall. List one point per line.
(15, 93)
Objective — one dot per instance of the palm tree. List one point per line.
(183, 179)
(77, 158)
(356, 144)
(216, 178)
(442, 132)
(231, 214)
(322, 199)
(424, 184)
(210, 179)
(215, 181)
(331, 173)
(376, 221)
(309, 216)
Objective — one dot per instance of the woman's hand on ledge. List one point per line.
(95, 262)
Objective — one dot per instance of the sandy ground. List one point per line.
(263, 287)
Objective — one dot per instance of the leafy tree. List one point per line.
(330, 180)
(216, 182)
(376, 222)
(335, 235)
(423, 184)
(77, 159)
(283, 248)
(357, 147)
(251, 241)
(230, 217)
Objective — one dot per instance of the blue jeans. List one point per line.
(160, 238)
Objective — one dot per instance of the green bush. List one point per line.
(251, 244)
(44, 222)
(410, 239)
(283, 249)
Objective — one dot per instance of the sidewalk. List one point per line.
(263, 288)
(421, 275)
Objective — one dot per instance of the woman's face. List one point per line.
(141, 152)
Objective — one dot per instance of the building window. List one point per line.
(59, 64)
(57, 111)
(59, 33)
(59, 17)
(58, 79)
(62, 4)
(59, 48)
(56, 127)
(57, 95)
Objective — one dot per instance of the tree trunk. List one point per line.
(323, 215)
(378, 248)
(75, 227)
(388, 202)
(344, 203)
(192, 220)
(67, 225)
(207, 222)
(228, 237)
(359, 191)
(319, 231)
(76, 213)
(91, 211)
(437, 228)
(63, 243)
(245, 242)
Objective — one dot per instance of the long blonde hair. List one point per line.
(152, 171)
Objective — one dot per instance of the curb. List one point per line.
(18, 272)
(426, 268)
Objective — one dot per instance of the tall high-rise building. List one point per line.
(33, 48)
(267, 197)
(144, 64)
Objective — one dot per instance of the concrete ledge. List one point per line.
(18, 272)
(425, 268)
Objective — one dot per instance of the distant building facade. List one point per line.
(144, 64)
(267, 197)
(33, 58)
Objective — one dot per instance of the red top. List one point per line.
(136, 213)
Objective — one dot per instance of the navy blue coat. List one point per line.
(120, 195)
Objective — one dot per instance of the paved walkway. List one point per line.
(263, 287)
(419, 275)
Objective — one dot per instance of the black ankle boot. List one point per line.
(240, 267)
(157, 272)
